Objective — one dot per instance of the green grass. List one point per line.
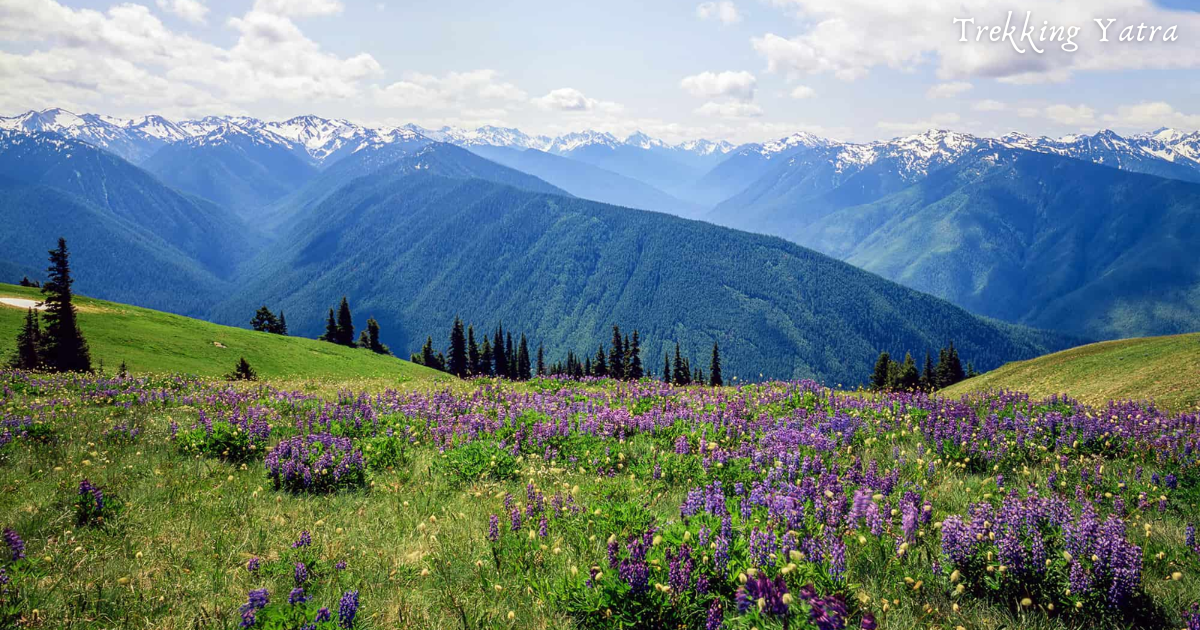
(1163, 369)
(153, 341)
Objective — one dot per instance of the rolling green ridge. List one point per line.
(414, 249)
(1163, 369)
(153, 341)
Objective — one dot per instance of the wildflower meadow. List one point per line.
(176, 502)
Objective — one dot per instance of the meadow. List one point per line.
(182, 502)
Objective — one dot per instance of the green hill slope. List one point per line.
(1163, 369)
(153, 341)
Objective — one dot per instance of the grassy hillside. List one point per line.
(153, 341)
(1165, 369)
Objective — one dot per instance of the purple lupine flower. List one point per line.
(1190, 536)
(348, 609)
(257, 600)
(300, 573)
(304, 540)
(494, 528)
(253, 564)
(340, 566)
(323, 615)
(716, 616)
(515, 519)
(297, 596)
(15, 544)
(543, 527)
(868, 622)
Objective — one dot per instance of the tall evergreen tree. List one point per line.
(666, 373)
(955, 370)
(510, 352)
(264, 320)
(458, 349)
(485, 358)
(971, 373)
(524, 370)
(541, 361)
(928, 378)
(472, 352)
(941, 372)
(26, 355)
(498, 355)
(616, 355)
(281, 327)
(63, 346)
(881, 376)
(428, 357)
(331, 329)
(682, 373)
(633, 352)
(714, 368)
(600, 365)
(345, 324)
(907, 379)
(589, 368)
(372, 338)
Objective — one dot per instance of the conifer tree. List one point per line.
(458, 349)
(63, 348)
(498, 355)
(955, 370)
(714, 368)
(971, 373)
(616, 355)
(666, 373)
(472, 352)
(523, 367)
(241, 372)
(589, 369)
(264, 320)
(331, 329)
(485, 358)
(600, 365)
(942, 371)
(428, 358)
(345, 324)
(26, 356)
(541, 362)
(908, 379)
(634, 353)
(927, 375)
(372, 340)
(281, 327)
(880, 377)
(682, 373)
(510, 353)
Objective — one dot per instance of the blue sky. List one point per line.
(740, 70)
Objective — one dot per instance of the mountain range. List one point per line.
(1084, 234)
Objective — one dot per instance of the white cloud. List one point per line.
(948, 90)
(190, 10)
(736, 85)
(1148, 116)
(937, 121)
(453, 90)
(725, 11)
(989, 105)
(849, 38)
(802, 92)
(299, 8)
(1072, 116)
(734, 109)
(126, 55)
(572, 100)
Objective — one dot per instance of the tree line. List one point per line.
(891, 375)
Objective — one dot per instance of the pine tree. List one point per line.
(281, 328)
(682, 373)
(600, 365)
(880, 377)
(458, 349)
(616, 355)
(927, 375)
(908, 379)
(666, 373)
(714, 368)
(242, 372)
(634, 352)
(541, 362)
(372, 340)
(123, 370)
(523, 367)
(26, 355)
(971, 373)
(485, 358)
(331, 329)
(472, 352)
(26, 282)
(941, 373)
(264, 320)
(510, 353)
(589, 369)
(498, 356)
(955, 371)
(63, 348)
(345, 324)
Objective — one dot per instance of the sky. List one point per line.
(737, 70)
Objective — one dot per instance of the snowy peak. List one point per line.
(582, 139)
(796, 141)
